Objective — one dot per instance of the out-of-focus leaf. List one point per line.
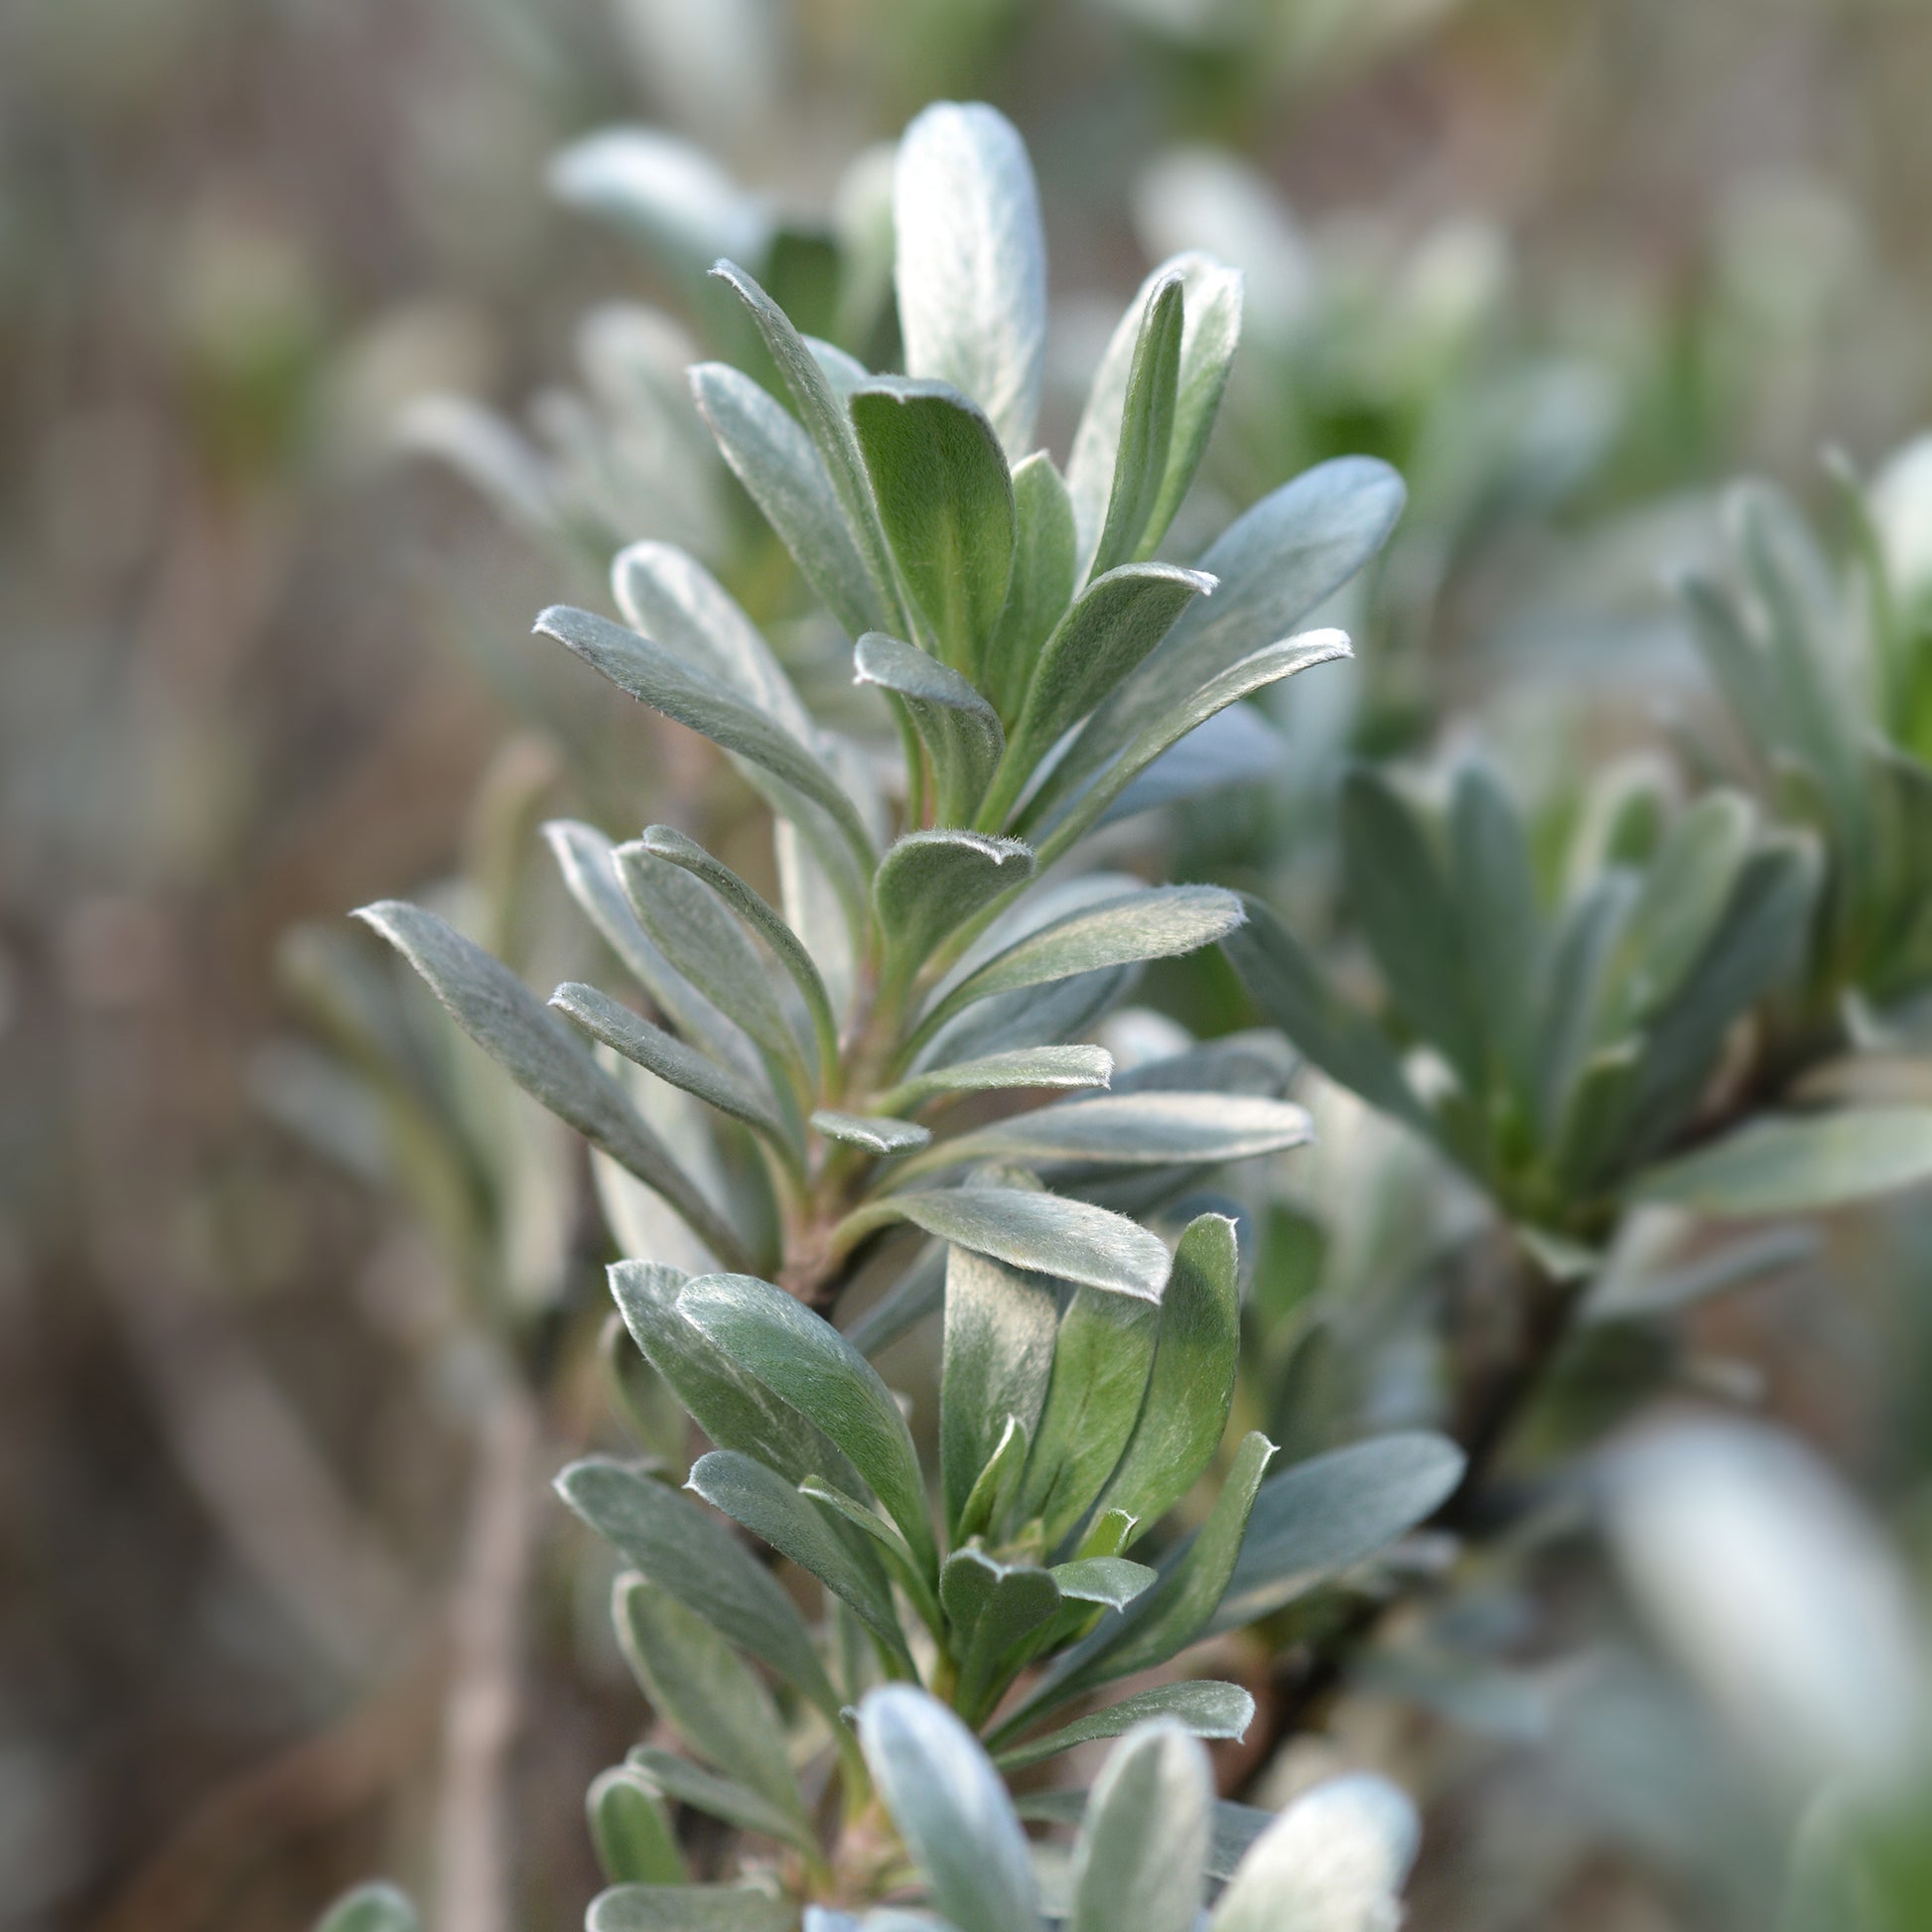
(971, 266)
(678, 1545)
(960, 731)
(932, 883)
(1100, 1370)
(1110, 628)
(1295, 992)
(1206, 1709)
(504, 1017)
(1191, 1387)
(947, 501)
(655, 676)
(997, 1359)
(371, 1908)
(1045, 1233)
(780, 470)
(1333, 1511)
(1234, 1827)
(719, 1705)
(805, 1361)
(673, 197)
(769, 1507)
(1501, 925)
(635, 1843)
(1798, 1164)
(679, 1779)
(1335, 1860)
(1140, 1855)
(1043, 570)
(688, 1908)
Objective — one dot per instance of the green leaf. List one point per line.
(1235, 1828)
(805, 1361)
(655, 677)
(718, 1703)
(1401, 894)
(1275, 564)
(990, 1500)
(667, 595)
(1110, 629)
(588, 862)
(634, 1838)
(1146, 429)
(1155, 923)
(1798, 1164)
(1580, 957)
(662, 842)
(733, 1409)
(998, 1611)
(669, 1058)
(1295, 992)
(668, 194)
(1207, 1710)
(769, 1507)
(1100, 1372)
(947, 501)
(995, 1365)
(971, 265)
(1141, 1858)
(1044, 564)
(706, 944)
(689, 1908)
(780, 470)
(504, 1017)
(1047, 1233)
(370, 1908)
(876, 1133)
(1335, 1860)
(679, 1779)
(1067, 813)
(1501, 924)
(960, 731)
(1191, 1387)
(1333, 1511)
(1023, 1066)
(1130, 1130)
(1110, 1580)
(893, 1547)
(679, 1546)
(1212, 326)
(932, 883)
(1170, 1617)
(824, 413)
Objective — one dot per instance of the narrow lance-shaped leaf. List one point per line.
(1206, 1709)
(769, 1507)
(635, 1843)
(1142, 1853)
(1047, 1233)
(688, 1908)
(960, 731)
(1110, 629)
(1146, 429)
(1797, 1164)
(655, 676)
(663, 842)
(1023, 1066)
(679, 1779)
(1015, 1615)
(1335, 1860)
(1504, 927)
(718, 1702)
(932, 883)
(504, 1017)
(876, 1133)
(806, 1361)
(677, 1545)
(947, 501)
(971, 264)
(780, 470)
(1043, 573)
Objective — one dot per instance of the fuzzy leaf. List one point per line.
(680, 1547)
(995, 1366)
(780, 470)
(1023, 1066)
(1146, 429)
(1206, 1709)
(1110, 1580)
(1333, 1511)
(1335, 1860)
(1142, 1853)
(930, 883)
(1798, 1164)
(1044, 563)
(504, 1017)
(960, 731)
(659, 679)
(686, 1783)
(772, 1509)
(717, 1702)
(947, 501)
(670, 195)
(971, 265)
(1000, 1612)
(878, 1135)
(635, 1843)
(806, 1362)
(688, 1908)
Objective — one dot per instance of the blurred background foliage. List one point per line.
(283, 1282)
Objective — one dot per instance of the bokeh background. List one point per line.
(260, 663)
